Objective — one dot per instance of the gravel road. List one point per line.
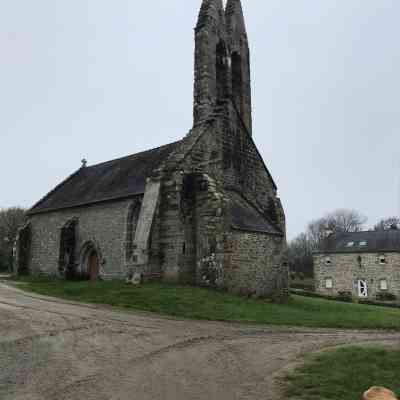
(55, 349)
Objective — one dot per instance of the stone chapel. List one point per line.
(202, 211)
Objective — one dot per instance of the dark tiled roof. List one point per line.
(246, 218)
(111, 180)
(363, 242)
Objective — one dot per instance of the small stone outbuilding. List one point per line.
(365, 264)
(203, 210)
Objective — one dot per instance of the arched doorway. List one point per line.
(91, 261)
(93, 265)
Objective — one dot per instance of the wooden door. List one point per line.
(93, 266)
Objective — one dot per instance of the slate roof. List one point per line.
(120, 178)
(363, 242)
(245, 217)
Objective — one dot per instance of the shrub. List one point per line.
(386, 296)
(344, 296)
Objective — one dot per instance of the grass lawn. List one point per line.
(344, 374)
(200, 303)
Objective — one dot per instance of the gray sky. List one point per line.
(102, 79)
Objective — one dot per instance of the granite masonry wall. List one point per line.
(346, 270)
(255, 265)
(103, 224)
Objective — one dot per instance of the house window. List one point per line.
(383, 284)
(328, 260)
(329, 283)
(363, 244)
(382, 259)
(350, 244)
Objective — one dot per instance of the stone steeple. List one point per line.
(235, 24)
(210, 39)
(211, 11)
(222, 61)
(240, 60)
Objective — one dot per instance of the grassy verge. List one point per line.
(344, 374)
(200, 303)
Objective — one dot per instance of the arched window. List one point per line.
(23, 250)
(131, 225)
(221, 71)
(66, 261)
(237, 81)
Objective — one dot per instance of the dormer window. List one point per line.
(328, 260)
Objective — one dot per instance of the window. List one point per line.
(329, 283)
(363, 243)
(383, 284)
(66, 260)
(350, 244)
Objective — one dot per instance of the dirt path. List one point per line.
(54, 349)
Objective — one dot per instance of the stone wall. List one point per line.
(246, 172)
(184, 205)
(254, 264)
(103, 224)
(346, 270)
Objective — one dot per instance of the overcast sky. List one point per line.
(102, 79)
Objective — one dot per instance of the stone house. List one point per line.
(366, 264)
(203, 210)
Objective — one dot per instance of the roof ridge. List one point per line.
(369, 231)
(134, 154)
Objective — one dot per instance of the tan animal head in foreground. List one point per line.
(379, 393)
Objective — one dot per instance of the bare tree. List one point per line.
(343, 220)
(301, 248)
(317, 231)
(387, 224)
(10, 220)
(300, 255)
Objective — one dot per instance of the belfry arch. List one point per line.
(221, 71)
